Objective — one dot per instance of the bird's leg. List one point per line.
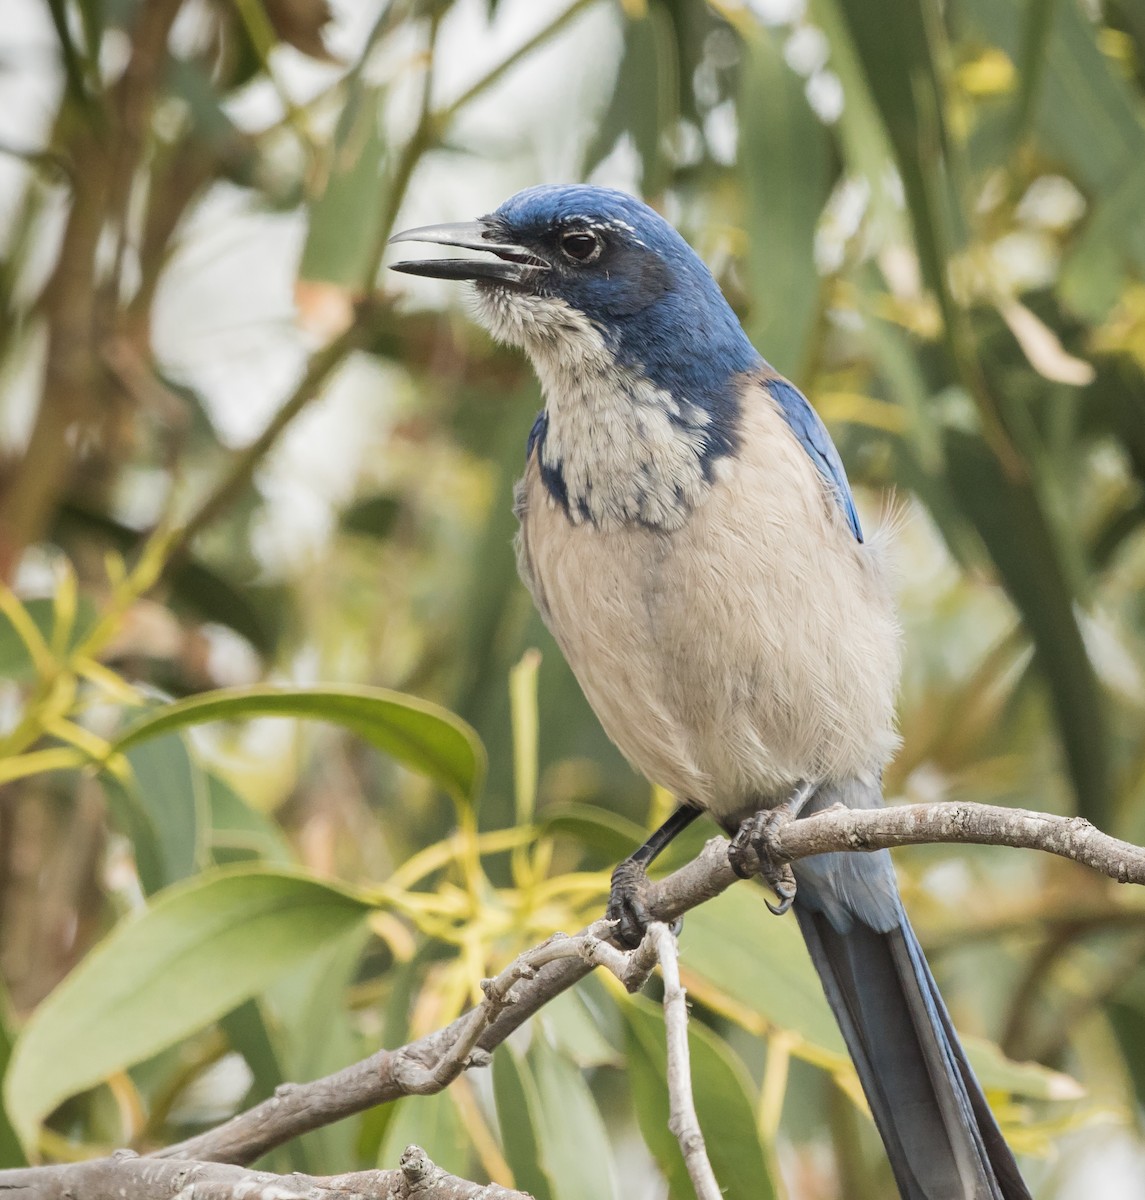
(757, 838)
(626, 903)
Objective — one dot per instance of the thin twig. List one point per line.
(682, 1120)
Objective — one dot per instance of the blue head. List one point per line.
(640, 358)
(609, 261)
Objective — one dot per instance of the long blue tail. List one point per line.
(941, 1138)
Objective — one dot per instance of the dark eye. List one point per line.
(581, 246)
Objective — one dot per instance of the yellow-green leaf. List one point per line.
(202, 948)
(422, 736)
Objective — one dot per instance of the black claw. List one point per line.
(626, 904)
(756, 838)
(786, 893)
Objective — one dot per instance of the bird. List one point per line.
(688, 533)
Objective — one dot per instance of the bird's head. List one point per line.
(568, 272)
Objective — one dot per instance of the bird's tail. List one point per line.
(941, 1138)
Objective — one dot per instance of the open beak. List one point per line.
(510, 263)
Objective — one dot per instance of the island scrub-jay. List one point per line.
(690, 538)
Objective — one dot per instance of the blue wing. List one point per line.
(815, 439)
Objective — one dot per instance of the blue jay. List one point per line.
(690, 538)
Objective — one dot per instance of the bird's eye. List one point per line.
(581, 246)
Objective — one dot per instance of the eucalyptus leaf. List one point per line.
(199, 950)
(519, 1116)
(434, 1124)
(420, 735)
(785, 154)
(575, 1148)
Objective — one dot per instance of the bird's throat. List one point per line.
(614, 447)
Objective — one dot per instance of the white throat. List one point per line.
(628, 451)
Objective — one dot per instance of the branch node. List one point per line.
(413, 1077)
(415, 1164)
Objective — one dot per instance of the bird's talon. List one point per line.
(757, 839)
(626, 905)
(783, 884)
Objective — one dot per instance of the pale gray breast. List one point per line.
(753, 647)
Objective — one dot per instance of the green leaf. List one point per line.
(1086, 116)
(201, 949)
(128, 815)
(645, 100)
(723, 1095)
(519, 1115)
(787, 174)
(1027, 1080)
(893, 41)
(15, 662)
(1013, 525)
(11, 1152)
(1128, 1024)
(171, 789)
(420, 735)
(240, 832)
(312, 996)
(764, 967)
(596, 828)
(251, 1034)
(434, 1124)
(345, 219)
(575, 1149)
(246, 1029)
(576, 1030)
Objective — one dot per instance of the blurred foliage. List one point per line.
(931, 216)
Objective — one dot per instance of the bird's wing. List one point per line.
(814, 438)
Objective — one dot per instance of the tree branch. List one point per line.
(533, 979)
(539, 975)
(977, 824)
(126, 1176)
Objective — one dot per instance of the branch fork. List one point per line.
(536, 977)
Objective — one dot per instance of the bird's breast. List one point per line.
(753, 646)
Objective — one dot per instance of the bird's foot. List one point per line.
(627, 904)
(756, 840)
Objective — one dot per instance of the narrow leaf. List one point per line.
(420, 735)
(200, 950)
(575, 1148)
(519, 1114)
(434, 1124)
(787, 174)
(169, 787)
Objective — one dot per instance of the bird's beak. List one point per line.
(510, 263)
